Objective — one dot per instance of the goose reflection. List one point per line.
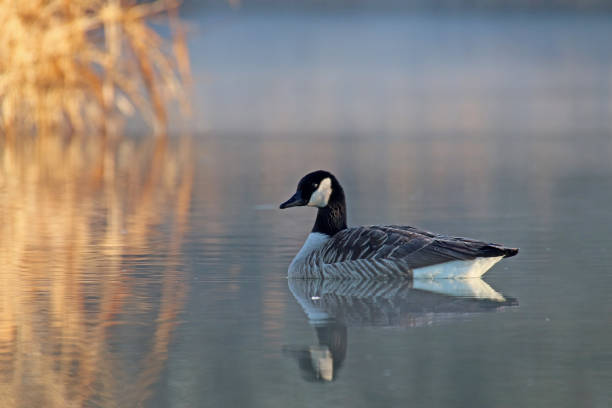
(334, 305)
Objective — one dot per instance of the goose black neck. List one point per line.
(332, 218)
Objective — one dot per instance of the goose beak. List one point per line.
(294, 201)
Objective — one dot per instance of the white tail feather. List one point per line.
(457, 269)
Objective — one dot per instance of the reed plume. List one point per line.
(78, 65)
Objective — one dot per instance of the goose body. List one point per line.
(335, 251)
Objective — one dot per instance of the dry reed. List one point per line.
(78, 65)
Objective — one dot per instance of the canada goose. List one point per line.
(335, 251)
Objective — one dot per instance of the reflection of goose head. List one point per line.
(334, 305)
(322, 362)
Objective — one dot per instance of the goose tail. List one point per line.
(492, 250)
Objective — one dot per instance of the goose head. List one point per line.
(316, 189)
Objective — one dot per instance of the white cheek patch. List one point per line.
(320, 197)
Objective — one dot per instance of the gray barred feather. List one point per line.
(388, 252)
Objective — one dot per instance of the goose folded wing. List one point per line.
(409, 245)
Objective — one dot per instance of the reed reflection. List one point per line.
(334, 305)
(92, 279)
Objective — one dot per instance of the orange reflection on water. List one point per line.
(91, 239)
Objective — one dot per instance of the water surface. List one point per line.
(153, 273)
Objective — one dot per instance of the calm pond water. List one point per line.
(153, 273)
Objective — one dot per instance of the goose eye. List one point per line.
(315, 185)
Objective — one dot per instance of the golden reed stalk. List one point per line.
(76, 65)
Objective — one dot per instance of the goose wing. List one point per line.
(414, 247)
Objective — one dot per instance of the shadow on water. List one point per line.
(334, 305)
(89, 293)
